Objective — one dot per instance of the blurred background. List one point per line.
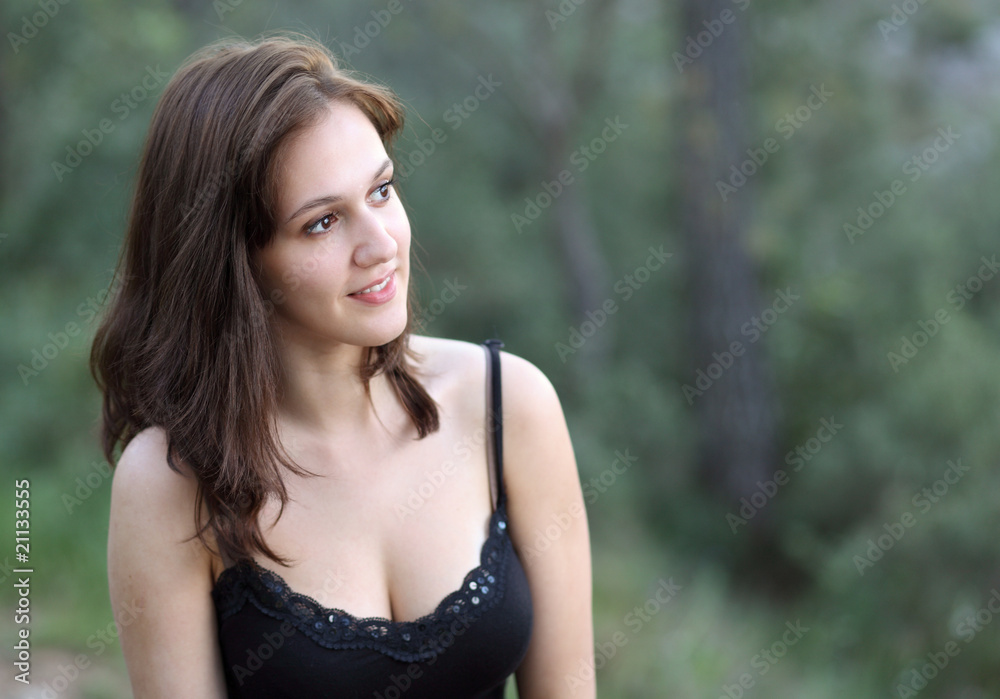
(753, 244)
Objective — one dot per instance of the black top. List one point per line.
(278, 643)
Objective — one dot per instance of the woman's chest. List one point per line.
(382, 539)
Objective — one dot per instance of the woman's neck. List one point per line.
(322, 391)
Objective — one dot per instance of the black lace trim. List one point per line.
(406, 641)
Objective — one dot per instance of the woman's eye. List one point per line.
(384, 190)
(322, 225)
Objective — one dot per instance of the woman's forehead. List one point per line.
(335, 156)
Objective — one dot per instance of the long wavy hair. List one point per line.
(186, 344)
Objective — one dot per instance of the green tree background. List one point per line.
(891, 332)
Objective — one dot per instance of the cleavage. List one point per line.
(429, 563)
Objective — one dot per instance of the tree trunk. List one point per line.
(735, 414)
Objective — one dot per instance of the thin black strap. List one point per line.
(496, 414)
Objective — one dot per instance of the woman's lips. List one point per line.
(377, 296)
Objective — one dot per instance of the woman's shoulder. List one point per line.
(151, 501)
(449, 366)
(143, 470)
(437, 354)
(158, 568)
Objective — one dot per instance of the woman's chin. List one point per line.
(380, 334)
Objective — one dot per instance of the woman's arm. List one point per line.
(161, 583)
(543, 489)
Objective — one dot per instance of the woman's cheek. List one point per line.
(290, 280)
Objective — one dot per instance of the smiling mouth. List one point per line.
(375, 287)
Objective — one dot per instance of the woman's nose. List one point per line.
(375, 244)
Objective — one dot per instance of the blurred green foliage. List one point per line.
(862, 296)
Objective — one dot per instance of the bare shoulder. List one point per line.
(143, 479)
(528, 395)
(143, 465)
(438, 356)
(152, 505)
(448, 367)
(538, 453)
(160, 576)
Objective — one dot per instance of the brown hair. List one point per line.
(185, 344)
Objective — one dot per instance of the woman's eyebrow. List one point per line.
(332, 199)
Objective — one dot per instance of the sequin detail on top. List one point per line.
(406, 641)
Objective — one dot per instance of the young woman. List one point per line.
(311, 501)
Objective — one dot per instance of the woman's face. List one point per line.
(337, 267)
